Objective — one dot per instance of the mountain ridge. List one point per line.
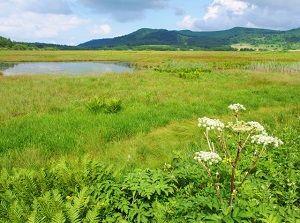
(237, 38)
(187, 39)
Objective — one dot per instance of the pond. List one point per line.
(62, 68)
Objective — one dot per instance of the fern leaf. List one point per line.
(58, 218)
(92, 216)
(58, 199)
(73, 214)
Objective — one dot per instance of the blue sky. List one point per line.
(76, 21)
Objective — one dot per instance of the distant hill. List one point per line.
(159, 37)
(6, 43)
(252, 38)
(237, 38)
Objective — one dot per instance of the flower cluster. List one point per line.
(236, 107)
(257, 127)
(241, 126)
(207, 157)
(210, 124)
(265, 140)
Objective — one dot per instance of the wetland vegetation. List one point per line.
(120, 147)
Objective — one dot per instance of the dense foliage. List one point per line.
(88, 191)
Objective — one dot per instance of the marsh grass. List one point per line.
(275, 66)
(147, 59)
(43, 118)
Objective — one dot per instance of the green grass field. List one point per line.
(44, 119)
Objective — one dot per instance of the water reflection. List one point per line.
(62, 68)
(5, 66)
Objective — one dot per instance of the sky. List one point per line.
(71, 22)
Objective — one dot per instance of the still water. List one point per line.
(62, 68)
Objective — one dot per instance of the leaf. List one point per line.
(92, 216)
(58, 218)
(73, 214)
(245, 214)
(235, 212)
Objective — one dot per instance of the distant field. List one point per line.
(243, 46)
(146, 58)
(45, 124)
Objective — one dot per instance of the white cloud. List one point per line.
(30, 25)
(225, 14)
(188, 23)
(100, 30)
(234, 7)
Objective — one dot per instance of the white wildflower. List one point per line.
(257, 127)
(241, 126)
(207, 157)
(236, 107)
(210, 124)
(264, 139)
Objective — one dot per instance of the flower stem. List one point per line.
(216, 187)
(253, 165)
(208, 142)
(232, 188)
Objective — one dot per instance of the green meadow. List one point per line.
(56, 152)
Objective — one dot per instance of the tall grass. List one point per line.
(147, 58)
(273, 66)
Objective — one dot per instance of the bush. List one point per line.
(110, 106)
(19, 47)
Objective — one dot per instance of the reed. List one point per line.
(275, 66)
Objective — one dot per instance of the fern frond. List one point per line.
(82, 200)
(15, 212)
(92, 216)
(57, 199)
(73, 214)
(35, 219)
(58, 218)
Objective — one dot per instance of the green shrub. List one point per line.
(112, 105)
(97, 104)
(185, 70)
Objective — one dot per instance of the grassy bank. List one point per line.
(44, 120)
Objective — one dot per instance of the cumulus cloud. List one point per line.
(36, 20)
(100, 30)
(124, 10)
(32, 25)
(188, 23)
(229, 7)
(225, 14)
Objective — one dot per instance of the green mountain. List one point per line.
(238, 37)
(158, 37)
